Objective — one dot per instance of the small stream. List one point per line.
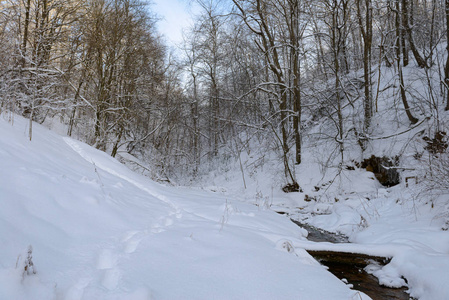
(349, 267)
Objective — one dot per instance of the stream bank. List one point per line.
(350, 267)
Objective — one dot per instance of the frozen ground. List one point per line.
(100, 231)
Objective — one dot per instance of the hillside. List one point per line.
(133, 170)
(406, 217)
(99, 231)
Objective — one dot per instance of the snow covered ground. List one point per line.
(99, 231)
(402, 222)
(395, 222)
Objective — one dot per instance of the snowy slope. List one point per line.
(395, 222)
(408, 222)
(100, 231)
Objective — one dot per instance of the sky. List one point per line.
(175, 17)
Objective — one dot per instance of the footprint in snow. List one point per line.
(132, 239)
(106, 260)
(131, 245)
(177, 214)
(86, 180)
(111, 278)
(168, 222)
(76, 291)
(157, 229)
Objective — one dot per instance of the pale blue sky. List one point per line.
(176, 17)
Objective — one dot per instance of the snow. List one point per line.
(400, 222)
(394, 223)
(100, 231)
(387, 222)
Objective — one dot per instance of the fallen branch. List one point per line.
(396, 134)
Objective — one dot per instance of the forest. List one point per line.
(252, 76)
(132, 168)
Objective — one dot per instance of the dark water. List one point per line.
(320, 235)
(350, 266)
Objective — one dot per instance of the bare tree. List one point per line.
(281, 51)
(410, 116)
(446, 68)
(366, 27)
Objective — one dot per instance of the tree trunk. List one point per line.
(403, 30)
(294, 39)
(196, 133)
(412, 119)
(408, 30)
(297, 120)
(25, 33)
(367, 35)
(446, 69)
(336, 42)
(115, 148)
